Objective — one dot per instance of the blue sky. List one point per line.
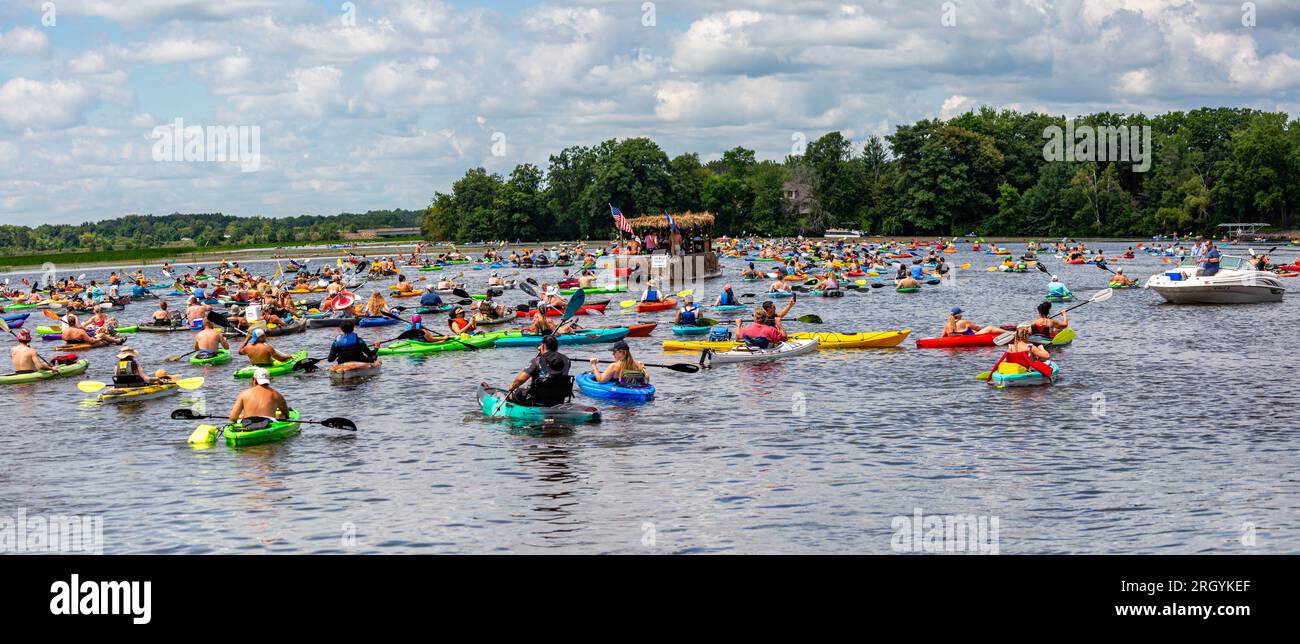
(383, 112)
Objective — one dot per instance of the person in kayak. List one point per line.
(688, 314)
(907, 281)
(779, 286)
(827, 283)
(430, 298)
(259, 352)
(625, 371)
(24, 357)
(350, 347)
(259, 400)
(542, 323)
(548, 376)
(1056, 289)
(751, 272)
(73, 332)
(587, 279)
(1025, 353)
(1120, 279)
(417, 331)
(404, 285)
(918, 271)
(209, 341)
(763, 333)
(161, 317)
(129, 373)
(496, 280)
(956, 325)
(459, 324)
(1046, 326)
(727, 297)
(651, 294)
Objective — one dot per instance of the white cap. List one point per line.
(261, 376)
(1055, 278)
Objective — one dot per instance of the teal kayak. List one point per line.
(1025, 378)
(222, 357)
(1059, 298)
(690, 329)
(612, 391)
(581, 336)
(729, 307)
(490, 401)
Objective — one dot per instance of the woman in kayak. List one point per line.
(727, 297)
(416, 331)
(349, 347)
(459, 324)
(1025, 353)
(1046, 326)
(956, 325)
(779, 286)
(688, 314)
(376, 306)
(827, 283)
(751, 271)
(1120, 279)
(624, 371)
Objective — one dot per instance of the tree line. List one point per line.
(982, 172)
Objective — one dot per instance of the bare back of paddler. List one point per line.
(259, 400)
(210, 339)
(74, 334)
(261, 354)
(24, 356)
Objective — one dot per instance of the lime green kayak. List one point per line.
(277, 369)
(596, 290)
(222, 357)
(415, 347)
(36, 376)
(276, 431)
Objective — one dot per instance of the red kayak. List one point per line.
(961, 341)
(584, 310)
(633, 330)
(854, 274)
(571, 283)
(645, 307)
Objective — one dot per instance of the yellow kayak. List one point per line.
(869, 340)
(120, 394)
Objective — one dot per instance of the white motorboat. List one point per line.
(1236, 282)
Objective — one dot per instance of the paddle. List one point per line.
(334, 423)
(809, 319)
(176, 358)
(92, 386)
(571, 310)
(1101, 296)
(682, 368)
(220, 320)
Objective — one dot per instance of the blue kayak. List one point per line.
(690, 329)
(582, 336)
(611, 391)
(377, 321)
(729, 307)
(780, 294)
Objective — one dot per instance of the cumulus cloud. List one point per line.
(31, 103)
(25, 41)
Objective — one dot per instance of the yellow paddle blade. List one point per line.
(627, 303)
(984, 376)
(861, 282)
(686, 293)
(992, 269)
(966, 265)
(190, 383)
(91, 386)
(1064, 337)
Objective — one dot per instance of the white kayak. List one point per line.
(748, 354)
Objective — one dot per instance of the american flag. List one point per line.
(620, 222)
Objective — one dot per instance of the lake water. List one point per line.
(1173, 429)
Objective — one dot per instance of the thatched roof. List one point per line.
(684, 221)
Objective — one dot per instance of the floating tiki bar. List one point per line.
(680, 257)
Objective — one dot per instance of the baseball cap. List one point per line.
(256, 335)
(261, 376)
(956, 310)
(621, 345)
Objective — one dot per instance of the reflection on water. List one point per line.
(1170, 428)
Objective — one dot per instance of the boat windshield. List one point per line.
(1226, 262)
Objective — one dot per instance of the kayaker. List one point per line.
(1057, 289)
(727, 297)
(162, 317)
(625, 370)
(1046, 326)
(128, 372)
(259, 400)
(403, 285)
(415, 331)
(779, 286)
(196, 311)
(1025, 353)
(496, 280)
(73, 332)
(688, 314)
(548, 376)
(651, 294)
(458, 323)
(430, 298)
(542, 324)
(957, 325)
(1120, 279)
(376, 307)
(918, 271)
(762, 333)
(751, 272)
(827, 283)
(349, 347)
(209, 341)
(907, 281)
(587, 279)
(24, 357)
(259, 352)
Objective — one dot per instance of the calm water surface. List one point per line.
(1170, 428)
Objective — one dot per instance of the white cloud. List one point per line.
(54, 104)
(24, 41)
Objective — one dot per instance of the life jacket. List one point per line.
(687, 315)
(415, 326)
(727, 299)
(550, 387)
(346, 340)
(651, 295)
(1024, 359)
(1040, 329)
(125, 374)
(458, 325)
(631, 378)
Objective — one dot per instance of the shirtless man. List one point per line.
(210, 340)
(261, 354)
(259, 400)
(586, 280)
(73, 333)
(196, 311)
(24, 356)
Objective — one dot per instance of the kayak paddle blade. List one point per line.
(809, 319)
(190, 383)
(683, 368)
(460, 292)
(575, 304)
(185, 414)
(339, 423)
(1004, 339)
(90, 386)
(1066, 336)
(984, 376)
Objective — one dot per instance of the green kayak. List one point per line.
(35, 376)
(490, 400)
(276, 431)
(907, 289)
(596, 290)
(222, 357)
(277, 369)
(414, 347)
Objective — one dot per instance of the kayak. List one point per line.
(352, 370)
(830, 293)
(1014, 375)
(425, 310)
(596, 290)
(222, 357)
(647, 307)
(958, 341)
(35, 376)
(641, 330)
(747, 354)
(317, 323)
(690, 329)
(1118, 286)
(780, 294)
(416, 347)
(276, 431)
(161, 328)
(581, 336)
(876, 340)
(586, 309)
(612, 391)
(907, 289)
(277, 369)
(378, 320)
(482, 321)
(490, 401)
(729, 307)
(122, 394)
(1059, 298)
